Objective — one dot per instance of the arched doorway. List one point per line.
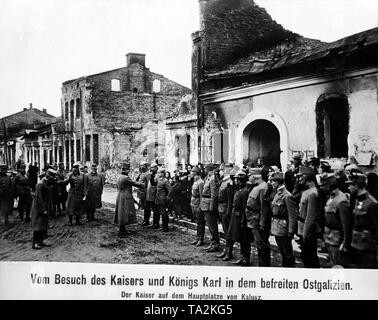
(332, 126)
(263, 142)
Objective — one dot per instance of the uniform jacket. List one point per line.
(163, 188)
(142, 178)
(61, 186)
(309, 221)
(95, 188)
(42, 205)
(209, 194)
(197, 189)
(284, 213)
(78, 189)
(258, 210)
(125, 212)
(22, 185)
(338, 219)
(151, 187)
(365, 223)
(6, 197)
(223, 195)
(238, 230)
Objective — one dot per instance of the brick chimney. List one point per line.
(44, 110)
(136, 58)
(30, 106)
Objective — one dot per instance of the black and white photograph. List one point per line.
(230, 135)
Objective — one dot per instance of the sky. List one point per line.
(46, 42)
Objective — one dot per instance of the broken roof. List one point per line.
(288, 55)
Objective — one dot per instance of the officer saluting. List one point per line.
(365, 222)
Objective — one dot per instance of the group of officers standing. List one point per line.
(49, 198)
(307, 203)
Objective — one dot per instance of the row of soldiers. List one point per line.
(41, 201)
(307, 203)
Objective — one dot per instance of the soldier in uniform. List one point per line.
(338, 220)
(33, 175)
(23, 191)
(142, 178)
(77, 194)
(163, 188)
(208, 206)
(258, 215)
(365, 222)
(290, 175)
(225, 215)
(284, 219)
(125, 212)
(6, 198)
(150, 196)
(61, 188)
(195, 201)
(238, 230)
(309, 219)
(93, 201)
(43, 205)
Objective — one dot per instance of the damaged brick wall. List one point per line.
(125, 119)
(235, 28)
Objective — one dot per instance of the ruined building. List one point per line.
(118, 115)
(263, 91)
(12, 130)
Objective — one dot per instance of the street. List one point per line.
(98, 242)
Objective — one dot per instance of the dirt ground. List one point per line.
(98, 242)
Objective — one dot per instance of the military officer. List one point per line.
(238, 230)
(225, 215)
(338, 220)
(208, 206)
(6, 198)
(258, 215)
(23, 190)
(195, 201)
(96, 182)
(77, 194)
(310, 218)
(125, 213)
(142, 178)
(163, 189)
(290, 175)
(365, 222)
(61, 188)
(43, 205)
(284, 223)
(150, 196)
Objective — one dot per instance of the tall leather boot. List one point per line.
(70, 220)
(77, 221)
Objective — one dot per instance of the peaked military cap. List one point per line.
(125, 166)
(196, 169)
(76, 165)
(153, 165)
(51, 173)
(356, 177)
(241, 175)
(277, 176)
(326, 179)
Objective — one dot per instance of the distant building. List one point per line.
(265, 92)
(118, 115)
(12, 129)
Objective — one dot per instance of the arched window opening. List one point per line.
(332, 126)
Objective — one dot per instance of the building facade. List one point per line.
(118, 115)
(13, 128)
(285, 95)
